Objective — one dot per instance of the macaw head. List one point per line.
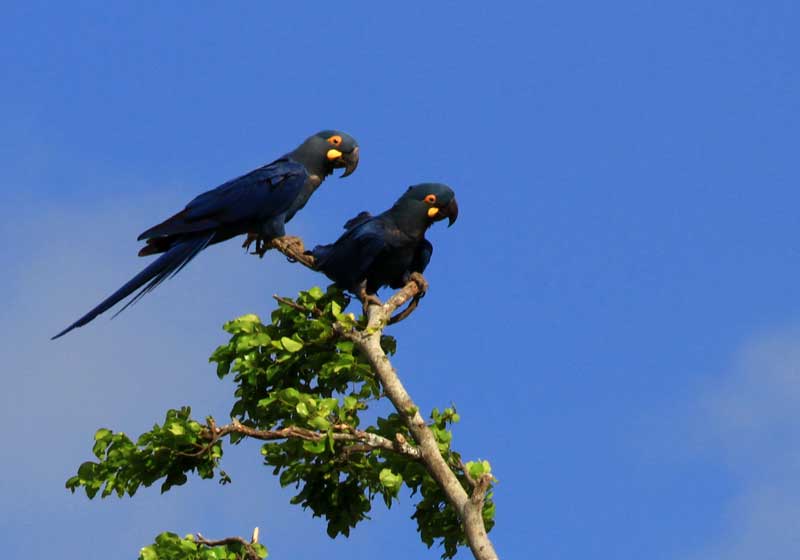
(436, 201)
(328, 150)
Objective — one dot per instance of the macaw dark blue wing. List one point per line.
(258, 196)
(358, 220)
(347, 261)
(422, 257)
(232, 208)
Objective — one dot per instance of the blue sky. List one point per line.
(615, 314)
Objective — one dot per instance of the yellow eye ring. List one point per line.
(335, 140)
(430, 199)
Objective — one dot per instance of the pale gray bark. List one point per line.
(469, 508)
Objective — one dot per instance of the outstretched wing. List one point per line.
(260, 195)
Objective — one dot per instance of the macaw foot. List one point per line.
(420, 281)
(422, 286)
(262, 246)
(367, 299)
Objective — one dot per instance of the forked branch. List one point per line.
(469, 508)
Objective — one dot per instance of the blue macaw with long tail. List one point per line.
(258, 204)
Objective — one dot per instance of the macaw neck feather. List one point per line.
(312, 183)
(317, 166)
(315, 162)
(410, 218)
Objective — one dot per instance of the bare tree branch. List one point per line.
(367, 440)
(250, 552)
(294, 249)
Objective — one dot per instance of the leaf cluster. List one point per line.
(299, 371)
(300, 376)
(169, 546)
(294, 370)
(169, 451)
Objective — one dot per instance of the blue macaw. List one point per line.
(258, 204)
(387, 249)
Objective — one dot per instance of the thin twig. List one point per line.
(295, 305)
(211, 429)
(463, 468)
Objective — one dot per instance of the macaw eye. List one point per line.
(335, 140)
(430, 199)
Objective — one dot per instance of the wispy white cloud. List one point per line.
(121, 374)
(749, 419)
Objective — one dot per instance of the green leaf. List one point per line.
(314, 446)
(477, 469)
(390, 480)
(147, 553)
(86, 470)
(345, 346)
(316, 292)
(290, 395)
(177, 429)
(102, 434)
(244, 324)
(188, 545)
(320, 423)
(250, 341)
(302, 409)
(291, 345)
(327, 405)
(266, 401)
(350, 402)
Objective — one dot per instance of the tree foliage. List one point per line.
(303, 387)
(169, 546)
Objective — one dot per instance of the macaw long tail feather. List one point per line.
(165, 266)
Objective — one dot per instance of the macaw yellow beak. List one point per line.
(347, 160)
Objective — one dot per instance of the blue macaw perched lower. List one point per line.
(387, 249)
(258, 204)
